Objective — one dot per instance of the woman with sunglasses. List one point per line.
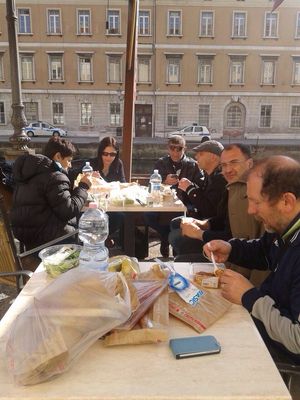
(107, 162)
(111, 169)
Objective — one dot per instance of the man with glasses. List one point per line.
(232, 219)
(173, 167)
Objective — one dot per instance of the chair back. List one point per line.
(10, 261)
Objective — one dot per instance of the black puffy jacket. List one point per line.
(44, 206)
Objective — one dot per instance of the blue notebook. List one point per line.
(194, 346)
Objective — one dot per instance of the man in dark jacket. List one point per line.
(44, 206)
(204, 199)
(172, 168)
(273, 190)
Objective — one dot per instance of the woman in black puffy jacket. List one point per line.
(44, 205)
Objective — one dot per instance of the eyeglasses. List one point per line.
(232, 163)
(176, 148)
(106, 154)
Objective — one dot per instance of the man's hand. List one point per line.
(87, 180)
(184, 183)
(203, 224)
(234, 285)
(171, 179)
(190, 229)
(220, 249)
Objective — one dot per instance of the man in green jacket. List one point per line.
(232, 219)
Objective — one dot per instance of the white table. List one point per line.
(130, 212)
(243, 369)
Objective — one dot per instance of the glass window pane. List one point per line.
(172, 115)
(58, 113)
(295, 117)
(114, 69)
(85, 69)
(205, 70)
(86, 114)
(24, 20)
(265, 116)
(144, 69)
(31, 111)
(54, 26)
(2, 113)
(113, 18)
(27, 68)
(206, 24)
(115, 114)
(144, 22)
(234, 117)
(204, 110)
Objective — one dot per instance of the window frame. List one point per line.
(271, 15)
(201, 34)
(2, 113)
(264, 117)
(60, 123)
(50, 56)
(115, 118)
(296, 68)
(48, 22)
(118, 17)
(297, 116)
(235, 60)
(237, 35)
(79, 72)
(169, 33)
(19, 20)
(148, 58)
(297, 30)
(23, 55)
(88, 17)
(170, 57)
(145, 18)
(35, 117)
(108, 70)
(203, 57)
(241, 117)
(2, 77)
(170, 114)
(90, 122)
(274, 61)
(208, 115)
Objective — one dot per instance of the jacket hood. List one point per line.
(29, 165)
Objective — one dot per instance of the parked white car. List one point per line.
(192, 132)
(40, 128)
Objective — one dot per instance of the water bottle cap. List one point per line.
(156, 171)
(92, 204)
(87, 163)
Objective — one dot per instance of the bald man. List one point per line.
(273, 190)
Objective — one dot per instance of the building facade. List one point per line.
(231, 65)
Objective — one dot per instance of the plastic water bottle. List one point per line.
(93, 230)
(155, 184)
(87, 169)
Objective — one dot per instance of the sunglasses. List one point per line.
(176, 148)
(106, 154)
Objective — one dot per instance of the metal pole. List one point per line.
(19, 139)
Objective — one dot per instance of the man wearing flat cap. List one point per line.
(205, 199)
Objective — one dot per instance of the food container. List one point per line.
(203, 274)
(60, 258)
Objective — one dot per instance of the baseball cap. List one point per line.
(211, 146)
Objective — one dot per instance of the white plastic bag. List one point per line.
(63, 320)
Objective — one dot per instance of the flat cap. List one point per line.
(211, 146)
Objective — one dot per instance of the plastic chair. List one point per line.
(288, 372)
